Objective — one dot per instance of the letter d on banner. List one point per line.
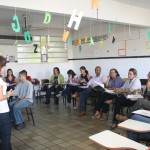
(48, 18)
(75, 18)
(27, 37)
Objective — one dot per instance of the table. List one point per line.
(111, 140)
(142, 112)
(135, 126)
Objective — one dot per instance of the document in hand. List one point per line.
(142, 112)
(100, 84)
(110, 92)
(134, 96)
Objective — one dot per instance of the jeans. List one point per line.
(56, 91)
(5, 132)
(68, 91)
(139, 136)
(84, 95)
(15, 110)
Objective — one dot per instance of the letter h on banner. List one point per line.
(75, 18)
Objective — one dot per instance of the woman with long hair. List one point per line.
(10, 79)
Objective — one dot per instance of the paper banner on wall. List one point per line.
(65, 35)
(15, 26)
(80, 48)
(91, 41)
(43, 41)
(69, 41)
(79, 42)
(95, 4)
(148, 35)
(47, 18)
(16, 43)
(75, 42)
(101, 43)
(75, 18)
(109, 28)
(85, 39)
(27, 36)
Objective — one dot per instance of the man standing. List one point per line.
(89, 91)
(24, 91)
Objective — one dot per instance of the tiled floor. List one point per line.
(58, 129)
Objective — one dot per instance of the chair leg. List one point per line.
(27, 113)
(31, 113)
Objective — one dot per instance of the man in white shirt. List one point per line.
(89, 91)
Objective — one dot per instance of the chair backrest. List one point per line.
(44, 81)
(143, 81)
(124, 80)
(35, 81)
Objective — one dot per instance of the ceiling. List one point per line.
(36, 18)
(138, 3)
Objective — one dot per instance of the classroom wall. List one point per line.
(136, 46)
(39, 71)
(108, 9)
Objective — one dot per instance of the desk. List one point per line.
(111, 140)
(135, 126)
(142, 112)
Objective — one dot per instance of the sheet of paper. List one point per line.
(74, 84)
(110, 91)
(100, 84)
(134, 96)
(142, 112)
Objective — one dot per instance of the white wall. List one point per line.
(39, 71)
(108, 9)
(136, 46)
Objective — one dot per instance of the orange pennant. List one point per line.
(95, 4)
(65, 35)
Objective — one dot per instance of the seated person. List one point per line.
(147, 90)
(83, 79)
(24, 91)
(131, 85)
(139, 136)
(140, 104)
(101, 108)
(56, 79)
(11, 80)
(72, 78)
(84, 95)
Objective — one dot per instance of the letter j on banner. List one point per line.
(15, 26)
(48, 18)
(76, 19)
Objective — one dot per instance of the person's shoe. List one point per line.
(13, 124)
(20, 126)
(104, 117)
(76, 107)
(58, 95)
(113, 126)
(47, 103)
(68, 105)
(82, 114)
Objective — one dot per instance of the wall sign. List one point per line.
(122, 52)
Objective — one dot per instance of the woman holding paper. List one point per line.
(102, 107)
(131, 85)
(70, 88)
